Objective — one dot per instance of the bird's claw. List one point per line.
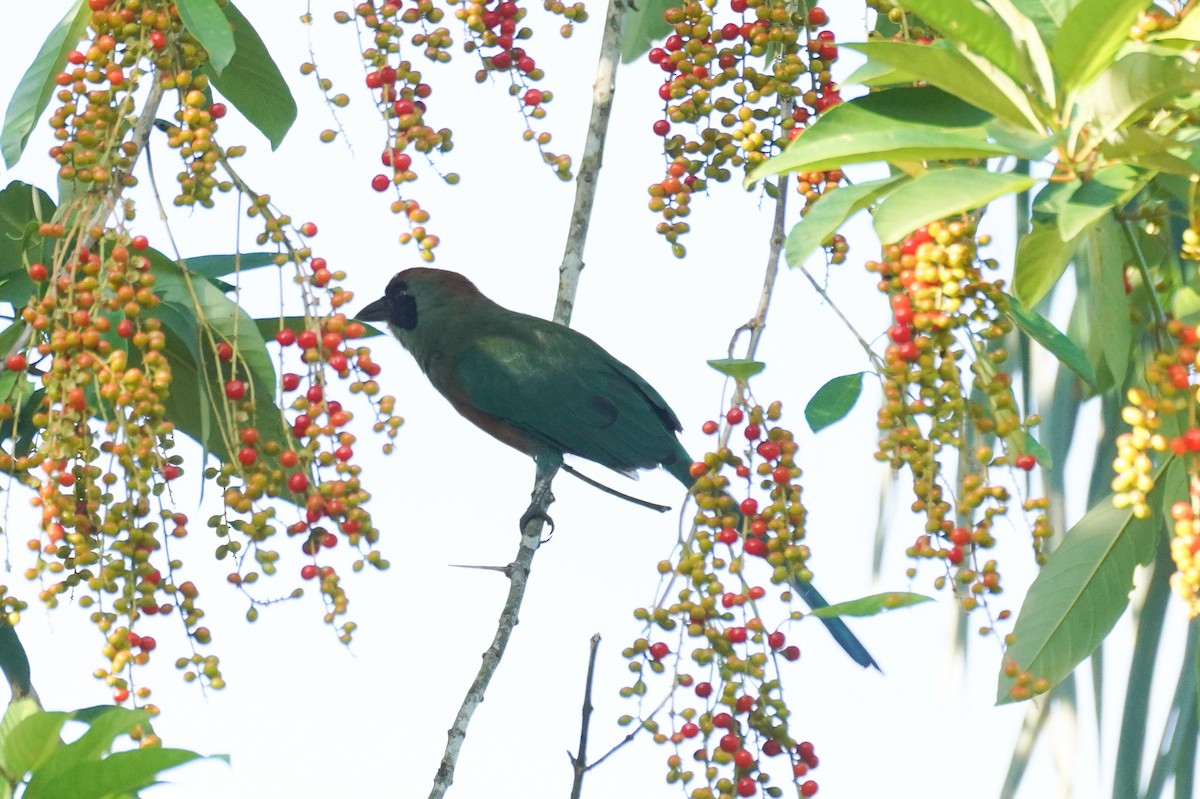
(535, 513)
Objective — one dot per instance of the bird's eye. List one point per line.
(404, 309)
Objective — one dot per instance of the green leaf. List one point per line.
(1026, 33)
(871, 605)
(1038, 328)
(1185, 305)
(1125, 90)
(32, 741)
(896, 125)
(1047, 16)
(1107, 299)
(939, 193)
(1152, 151)
(954, 73)
(1080, 592)
(1042, 257)
(214, 266)
(1034, 447)
(105, 725)
(1110, 188)
(22, 208)
(37, 84)
(18, 710)
(972, 26)
(253, 83)
(833, 401)
(1090, 37)
(826, 215)
(204, 20)
(644, 25)
(877, 75)
(739, 369)
(118, 774)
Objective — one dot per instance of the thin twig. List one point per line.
(875, 359)
(579, 762)
(589, 166)
(531, 538)
(568, 286)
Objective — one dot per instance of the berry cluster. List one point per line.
(1168, 403)
(92, 400)
(747, 74)
(735, 711)
(492, 28)
(941, 306)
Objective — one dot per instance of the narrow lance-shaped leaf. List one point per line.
(829, 213)
(1110, 188)
(1107, 299)
(1091, 35)
(833, 401)
(1038, 328)
(253, 82)
(940, 193)
(897, 125)
(37, 84)
(1080, 593)
(997, 94)
(871, 605)
(1042, 258)
(1135, 83)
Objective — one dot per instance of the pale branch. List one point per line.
(568, 285)
(589, 165)
(579, 762)
(518, 574)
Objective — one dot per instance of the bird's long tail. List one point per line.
(811, 596)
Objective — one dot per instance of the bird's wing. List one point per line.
(561, 387)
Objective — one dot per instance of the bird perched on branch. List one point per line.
(542, 388)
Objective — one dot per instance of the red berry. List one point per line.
(817, 16)
(743, 759)
(380, 182)
(217, 110)
(247, 456)
(776, 640)
(960, 536)
(772, 748)
(307, 340)
(298, 482)
(749, 506)
(533, 97)
(1027, 460)
(769, 450)
(756, 547)
(170, 471)
(343, 453)
(224, 351)
(38, 272)
(290, 381)
(731, 742)
(309, 229)
(752, 432)
(782, 475)
(125, 328)
(736, 635)
(286, 337)
(308, 572)
(808, 789)
(734, 416)
(147, 643)
(1178, 375)
(235, 389)
(747, 786)
(659, 650)
(689, 730)
(656, 55)
(728, 535)
(704, 689)
(745, 703)
(900, 334)
(15, 362)
(791, 653)
(710, 428)
(140, 243)
(908, 351)
(662, 127)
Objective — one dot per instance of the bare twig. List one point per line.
(531, 538)
(589, 166)
(579, 762)
(568, 286)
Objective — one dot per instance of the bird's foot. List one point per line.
(535, 513)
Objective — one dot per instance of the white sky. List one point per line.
(305, 717)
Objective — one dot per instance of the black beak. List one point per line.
(375, 312)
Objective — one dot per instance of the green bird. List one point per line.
(542, 388)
